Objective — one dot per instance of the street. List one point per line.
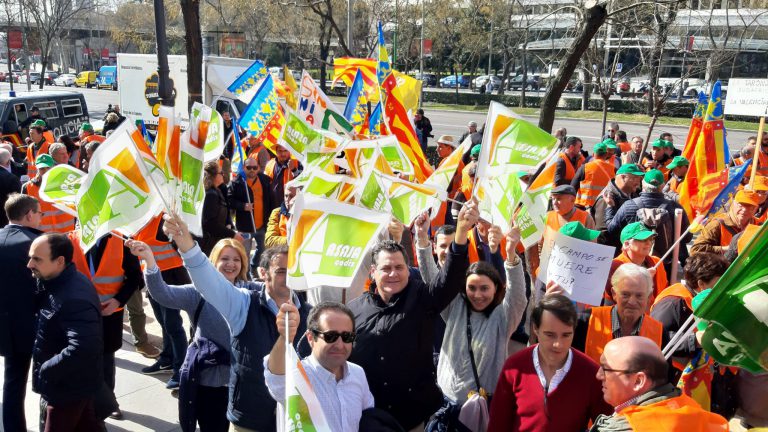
(446, 121)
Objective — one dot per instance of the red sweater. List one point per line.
(518, 403)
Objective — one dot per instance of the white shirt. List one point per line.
(342, 401)
(559, 375)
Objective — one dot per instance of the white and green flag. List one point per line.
(116, 194)
(190, 205)
(298, 137)
(407, 200)
(303, 412)
(329, 240)
(210, 126)
(60, 187)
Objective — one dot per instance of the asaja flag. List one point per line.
(298, 137)
(736, 310)
(498, 196)
(443, 175)
(60, 187)
(511, 143)
(191, 191)
(210, 126)
(329, 240)
(389, 147)
(532, 217)
(371, 193)
(408, 200)
(116, 194)
(302, 407)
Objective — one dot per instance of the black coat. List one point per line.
(215, 221)
(9, 184)
(237, 200)
(394, 341)
(67, 358)
(18, 311)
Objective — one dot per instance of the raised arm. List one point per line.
(427, 265)
(515, 302)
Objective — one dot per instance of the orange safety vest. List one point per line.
(570, 170)
(554, 225)
(472, 241)
(659, 279)
(749, 234)
(52, 219)
(597, 174)
(109, 277)
(600, 331)
(762, 163)
(726, 233)
(625, 146)
(92, 138)
(165, 254)
(282, 225)
(293, 164)
(676, 290)
(677, 414)
(31, 155)
(674, 184)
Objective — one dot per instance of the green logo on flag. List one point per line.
(345, 240)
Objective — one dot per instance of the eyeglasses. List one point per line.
(621, 371)
(331, 336)
(252, 168)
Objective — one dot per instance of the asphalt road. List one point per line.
(451, 122)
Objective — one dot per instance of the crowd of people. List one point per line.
(449, 326)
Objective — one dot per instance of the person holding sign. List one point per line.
(632, 288)
(487, 312)
(395, 325)
(636, 247)
(549, 386)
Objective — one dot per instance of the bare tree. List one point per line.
(190, 9)
(51, 17)
(11, 13)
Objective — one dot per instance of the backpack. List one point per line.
(659, 220)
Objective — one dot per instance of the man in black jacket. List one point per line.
(395, 325)
(17, 305)
(68, 346)
(252, 210)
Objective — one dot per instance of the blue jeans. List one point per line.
(174, 338)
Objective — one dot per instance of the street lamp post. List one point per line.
(163, 79)
(421, 44)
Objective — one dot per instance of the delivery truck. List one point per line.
(139, 93)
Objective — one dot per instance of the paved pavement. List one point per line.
(147, 405)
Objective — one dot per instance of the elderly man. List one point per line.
(67, 363)
(549, 377)
(631, 288)
(395, 320)
(340, 386)
(635, 153)
(474, 135)
(88, 134)
(717, 234)
(619, 190)
(568, 161)
(636, 245)
(634, 375)
(58, 152)
(745, 153)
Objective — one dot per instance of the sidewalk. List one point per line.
(147, 405)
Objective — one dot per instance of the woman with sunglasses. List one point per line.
(485, 315)
(216, 222)
(203, 391)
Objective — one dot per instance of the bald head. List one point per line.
(631, 366)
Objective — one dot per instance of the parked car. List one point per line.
(428, 80)
(65, 80)
(482, 81)
(107, 78)
(86, 79)
(516, 83)
(34, 77)
(49, 77)
(450, 81)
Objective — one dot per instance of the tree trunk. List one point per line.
(606, 97)
(43, 65)
(594, 17)
(524, 82)
(194, 45)
(586, 91)
(504, 73)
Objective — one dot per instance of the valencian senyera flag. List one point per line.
(345, 68)
(711, 155)
(116, 194)
(736, 310)
(328, 241)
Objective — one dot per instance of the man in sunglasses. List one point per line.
(340, 386)
(634, 375)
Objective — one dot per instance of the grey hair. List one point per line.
(5, 156)
(747, 149)
(6, 146)
(647, 187)
(635, 271)
(56, 147)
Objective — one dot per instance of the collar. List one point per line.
(272, 304)
(325, 373)
(48, 285)
(623, 405)
(559, 374)
(616, 324)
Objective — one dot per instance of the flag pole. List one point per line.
(758, 149)
(676, 243)
(687, 328)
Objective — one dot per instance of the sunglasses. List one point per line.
(252, 168)
(331, 336)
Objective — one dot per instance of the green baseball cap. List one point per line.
(678, 161)
(669, 144)
(610, 143)
(475, 150)
(38, 123)
(630, 169)
(45, 161)
(579, 231)
(600, 148)
(654, 177)
(86, 127)
(636, 231)
(662, 143)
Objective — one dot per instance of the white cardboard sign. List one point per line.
(747, 97)
(579, 266)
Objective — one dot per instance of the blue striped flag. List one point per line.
(375, 120)
(355, 109)
(248, 79)
(261, 109)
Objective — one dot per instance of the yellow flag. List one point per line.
(290, 98)
(409, 90)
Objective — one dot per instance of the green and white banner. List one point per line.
(115, 195)
(210, 128)
(191, 190)
(328, 241)
(60, 187)
(389, 147)
(298, 137)
(498, 196)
